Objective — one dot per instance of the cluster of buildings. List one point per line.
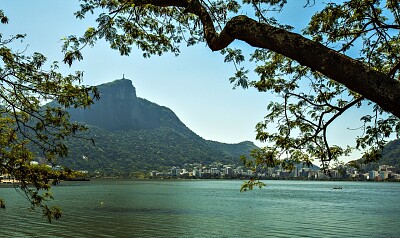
(7, 178)
(220, 171)
(385, 172)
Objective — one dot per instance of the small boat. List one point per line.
(337, 187)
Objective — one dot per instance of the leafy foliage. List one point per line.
(26, 124)
(312, 94)
(250, 184)
(296, 126)
(390, 156)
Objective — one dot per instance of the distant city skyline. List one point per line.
(194, 85)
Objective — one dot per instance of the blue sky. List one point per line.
(194, 85)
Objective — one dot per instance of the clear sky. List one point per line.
(194, 85)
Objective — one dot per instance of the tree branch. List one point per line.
(358, 77)
(394, 70)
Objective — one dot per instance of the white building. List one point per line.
(214, 171)
(228, 171)
(153, 173)
(197, 172)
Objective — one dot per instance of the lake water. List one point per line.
(210, 208)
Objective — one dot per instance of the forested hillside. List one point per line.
(391, 153)
(390, 156)
(132, 134)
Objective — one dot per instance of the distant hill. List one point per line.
(134, 134)
(391, 153)
(390, 156)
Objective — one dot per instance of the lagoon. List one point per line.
(209, 208)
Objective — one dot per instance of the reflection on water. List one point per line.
(207, 208)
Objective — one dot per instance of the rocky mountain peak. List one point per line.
(121, 89)
(119, 109)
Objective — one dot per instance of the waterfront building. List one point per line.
(8, 178)
(175, 171)
(304, 173)
(383, 167)
(372, 174)
(383, 175)
(335, 174)
(228, 172)
(239, 170)
(313, 174)
(215, 171)
(206, 175)
(391, 169)
(284, 174)
(295, 172)
(153, 173)
(320, 175)
(197, 172)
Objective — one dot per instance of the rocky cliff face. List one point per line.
(119, 109)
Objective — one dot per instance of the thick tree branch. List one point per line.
(394, 70)
(356, 76)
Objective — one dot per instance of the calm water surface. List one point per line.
(210, 208)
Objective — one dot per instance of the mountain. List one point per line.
(391, 153)
(120, 109)
(390, 156)
(132, 134)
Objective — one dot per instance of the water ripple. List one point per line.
(210, 209)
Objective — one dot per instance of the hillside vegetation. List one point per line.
(390, 156)
(132, 134)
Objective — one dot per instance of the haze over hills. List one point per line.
(133, 134)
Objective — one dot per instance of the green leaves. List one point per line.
(153, 30)
(51, 213)
(250, 184)
(3, 17)
(71, 56)
(233, 55)
(233, 6)
(308, 102)
(236, 57)
(30, 131)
